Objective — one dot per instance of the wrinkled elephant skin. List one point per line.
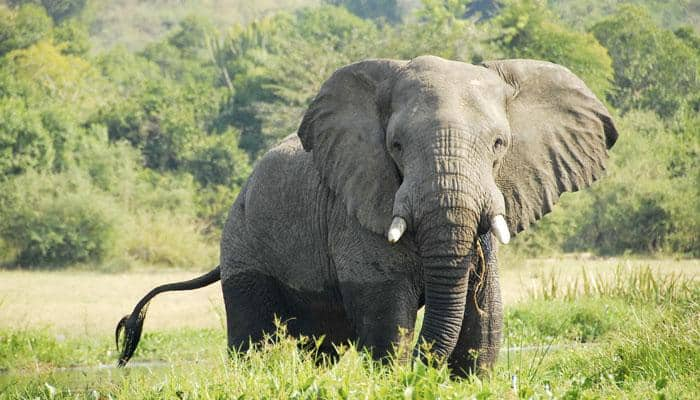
(391, 196)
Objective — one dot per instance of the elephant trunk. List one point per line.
(446, 208)
(446, 243)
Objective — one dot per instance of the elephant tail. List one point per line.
(132, 324)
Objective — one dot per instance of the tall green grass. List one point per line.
(639, 285)
(632, 334)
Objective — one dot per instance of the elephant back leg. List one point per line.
(252, 302)
(480, 335)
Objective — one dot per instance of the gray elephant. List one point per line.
(390, 198)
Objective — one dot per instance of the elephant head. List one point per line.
(449, 150)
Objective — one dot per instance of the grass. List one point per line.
(631, 333)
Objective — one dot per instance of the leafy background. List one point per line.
(127, 127)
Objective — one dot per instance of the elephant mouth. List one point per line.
(497, 224)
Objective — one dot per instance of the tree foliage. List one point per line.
(654, 69)
(22, 28)
(58, 10)
(278, 64)
(667, 14)
(526, 29)
(651, 201)
(441, 29)
(134, 155)
(380, 9)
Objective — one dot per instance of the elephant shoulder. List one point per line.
(284, 162)
(290, 145)
(285, 174)
(279, 214)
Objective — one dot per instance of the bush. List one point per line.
(24, 141)
(650, 200)
(648, 203)
(112, 167)
(55, 220)
(165, 239)
(122, 218)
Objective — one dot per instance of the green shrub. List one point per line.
(119, 218)
(650, 200)
(165, 239)
(74, 36)
(217, 160)
(213, 204)
(24, 141)
(55, 220)
(112, 167)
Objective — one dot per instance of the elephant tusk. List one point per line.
(500, 229)
(397, 228)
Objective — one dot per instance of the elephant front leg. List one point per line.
(383, 316)
(480, 335)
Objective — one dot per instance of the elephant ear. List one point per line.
(343, 128)
(560, 136)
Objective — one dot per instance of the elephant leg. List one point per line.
(480, 335)
(383, 315)
(252, 301)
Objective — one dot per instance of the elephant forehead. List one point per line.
(430, 69)
(448, 84)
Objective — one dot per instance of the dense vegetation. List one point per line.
(120, 152)
(629, 336)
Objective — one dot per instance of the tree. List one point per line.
(277, 65)
(59, 10)
(386, 9)
(443, 28)
(24, 142)
(191, 36)
(22, 27)
(526, 29)
(73, 37)
(45, 96)
(53, 76)
(581, 14)
(650, 201)
(689, 36)
(654, 69)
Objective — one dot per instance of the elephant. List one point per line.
(403, 178)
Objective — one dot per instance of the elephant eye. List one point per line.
(396, 146)
(498, 144)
